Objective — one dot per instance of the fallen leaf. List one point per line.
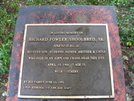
(131, 75)
(4, 94)
(125, 67)
(128, 89)
(128, 98)
(125, 58)
(132, 84)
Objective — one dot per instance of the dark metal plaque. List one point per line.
(69, 61)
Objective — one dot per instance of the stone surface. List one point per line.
(66, 14)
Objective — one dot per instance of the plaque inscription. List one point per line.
(71, 61)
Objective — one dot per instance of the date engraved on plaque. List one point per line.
(66, 61)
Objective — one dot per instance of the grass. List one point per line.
(6, 36)
(8, 16)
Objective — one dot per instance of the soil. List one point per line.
(128, 61)
(128, 73)
(3, 86)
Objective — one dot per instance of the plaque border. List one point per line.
(67, 97)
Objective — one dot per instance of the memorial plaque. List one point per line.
(69, 61)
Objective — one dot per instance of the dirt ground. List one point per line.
(128, 60)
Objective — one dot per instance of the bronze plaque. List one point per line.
(68, 61)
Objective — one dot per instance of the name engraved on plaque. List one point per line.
(66, 61)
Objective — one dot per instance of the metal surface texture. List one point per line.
(56, 57)
(66, 14)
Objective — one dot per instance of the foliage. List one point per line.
(126, 26)
(7, 23)
(132, 54)
(1, 83)
(131, 66)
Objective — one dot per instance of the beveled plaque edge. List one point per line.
(67, 97)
